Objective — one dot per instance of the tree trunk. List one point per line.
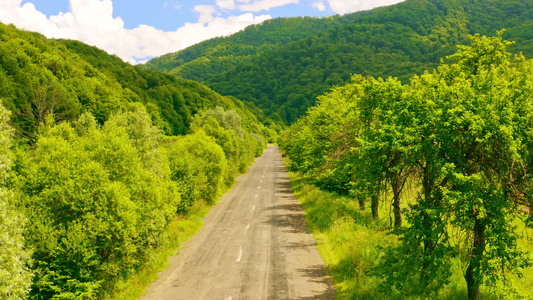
(473, 274)
(362, 205)
(429, 245)
(429, 248)
(396, 204)
(375, 206)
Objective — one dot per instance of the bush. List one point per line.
(95, 208)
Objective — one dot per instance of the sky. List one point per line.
(137, 30)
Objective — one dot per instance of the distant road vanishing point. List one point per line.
(254, 245)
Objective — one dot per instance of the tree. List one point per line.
(470, 136)
(484, 135)
(198, 165)
(95, 207)
(15, 261)
(382, 151)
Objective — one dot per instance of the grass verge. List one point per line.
(348, 239)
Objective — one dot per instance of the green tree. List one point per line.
(198, 165)
(95, 209)
(15, 261)
(470, 140)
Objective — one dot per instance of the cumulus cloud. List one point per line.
(320, 6)
(226, 4)
(92, 22)
(348, 6)
(206, 13)
(260, 5)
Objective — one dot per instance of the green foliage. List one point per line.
(206, 59)
(198, 165)
(229, 120)
(95, 209)
(99, 197)
(324, 154)
(98, 173)
(289, 62)
(461, 136)
(66, 78)
(15, 261)
(239, 147)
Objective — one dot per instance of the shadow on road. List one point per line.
(288, 218)
(318, 274)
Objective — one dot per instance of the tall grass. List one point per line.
(349, 240)
(351, 243)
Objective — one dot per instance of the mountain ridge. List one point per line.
(399, 40)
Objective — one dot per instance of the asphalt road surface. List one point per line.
(254, 245)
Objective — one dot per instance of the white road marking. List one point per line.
(261, 181)
(256, 196)
(253, 208)
(246, 228)
(259, 187)
(240, 255)
(229, 298)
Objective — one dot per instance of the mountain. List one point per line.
(400, 40)
(211, 57)
(39, 76)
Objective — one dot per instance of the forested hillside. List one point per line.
(446, 158)
(399, 40)
(98, 158)
(207, 59)
(40, 76)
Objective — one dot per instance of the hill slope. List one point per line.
(398, 40)
(39, 76)
(209, 58)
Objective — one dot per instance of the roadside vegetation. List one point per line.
(107, 203)
(105, 168)
(352, 243)
(449, 154)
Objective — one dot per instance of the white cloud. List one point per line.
(226, 4)
(348, 6)
(206, 13)
(172, 5)
(260, 5)
(92, 22)
(319, 5)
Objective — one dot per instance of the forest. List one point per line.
(401, 40)
(450, 154)
(98, 158)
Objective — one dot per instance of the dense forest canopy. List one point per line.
(399, 40)
(40, 76)
(209, 58)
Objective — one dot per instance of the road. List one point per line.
(254, 245)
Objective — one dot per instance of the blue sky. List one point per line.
(136, 30)
(170, 15)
